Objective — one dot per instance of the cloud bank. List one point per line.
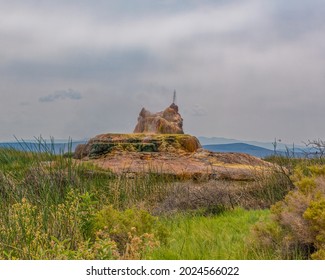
(61, 94)
(251, 69)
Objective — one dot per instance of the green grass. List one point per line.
(225, 236)
(52, 207)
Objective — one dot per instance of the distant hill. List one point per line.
(217, 140)
(255, 150)
(240, 148)
(267, 145)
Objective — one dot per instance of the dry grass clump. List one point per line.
(38, 179)
(215, 196)
(7, 185)
(212, 196)
(268, 188)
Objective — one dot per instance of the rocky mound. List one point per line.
(159, 145)
(179, 155)
(168, 121)
(104, 144)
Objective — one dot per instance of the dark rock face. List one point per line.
(168, 121)
(81, 151)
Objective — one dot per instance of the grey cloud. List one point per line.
(24, 103)
(117, 9)
(82, 30)
(255, 67)
(109, 65)
(61, 94)
(196, 111)
(292, 19)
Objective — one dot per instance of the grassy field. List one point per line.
(225, 236)
(52, 207)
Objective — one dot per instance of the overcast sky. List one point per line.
(244, 69)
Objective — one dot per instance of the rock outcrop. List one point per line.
(160, 145)
(179, 155)
(168, 121)
(104, 144)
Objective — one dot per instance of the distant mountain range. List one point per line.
(267, 145)
(240, 148)
(254, 148)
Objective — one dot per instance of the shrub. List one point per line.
(75, 229)
(30, 232)
(315, 215)
(124, 227)
(297, 229)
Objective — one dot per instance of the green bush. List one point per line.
(120, 224)
(315, 215)
(28, 231)
(297, 228)
(75, 229)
